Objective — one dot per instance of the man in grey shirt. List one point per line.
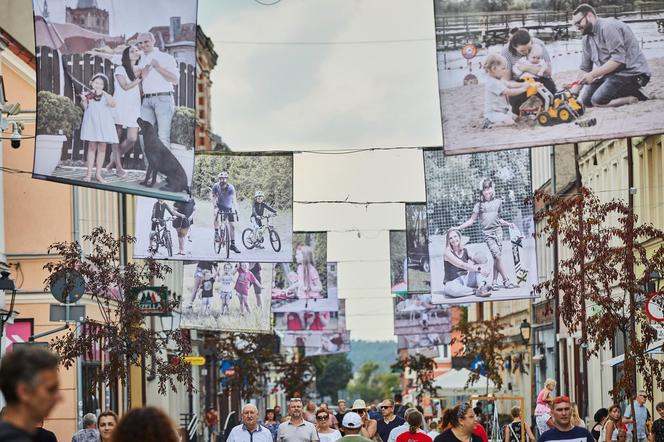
(296, 429)
(614, 69)
(89, 432)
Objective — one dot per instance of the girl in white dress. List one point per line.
(127, 79)
(98, 127)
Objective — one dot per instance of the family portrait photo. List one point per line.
(240, 210)
(481, 227)
(116, 95)
(417, 248)
(227, 297)
(310, 283)
(416, 313)
(537, 72)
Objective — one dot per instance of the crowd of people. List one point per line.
(30, 386)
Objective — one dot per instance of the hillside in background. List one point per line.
(384, 353)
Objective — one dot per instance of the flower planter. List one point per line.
(48, 151)
(185, 157)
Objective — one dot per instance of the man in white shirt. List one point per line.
(158, 105)
(249, 430)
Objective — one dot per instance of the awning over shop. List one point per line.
(655, 348)
(453, 383)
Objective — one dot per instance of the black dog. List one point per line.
(161, 160)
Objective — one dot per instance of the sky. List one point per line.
(329, 75)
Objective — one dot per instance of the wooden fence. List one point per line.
(51, 76)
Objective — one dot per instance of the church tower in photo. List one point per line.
(88, 15)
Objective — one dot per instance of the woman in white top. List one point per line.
(325, 433)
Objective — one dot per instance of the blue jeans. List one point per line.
(159, 110)
(602, 90)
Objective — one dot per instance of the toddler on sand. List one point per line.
(497, 111)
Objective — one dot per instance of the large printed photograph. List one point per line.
(417, 248)
(227, 297)
(241, 210)
(416, 313)
(481, 227)
(423, 339)
(398, 262)
(116, 95)
(536, 72)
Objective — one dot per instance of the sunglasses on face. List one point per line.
(322, 417)
(383, 407)
(360, 411)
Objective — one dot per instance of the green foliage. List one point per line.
(183, 126)
(397, 255)
(370, 384)
(56, 113)
(271, 174)
(333, 373)
(381, 352)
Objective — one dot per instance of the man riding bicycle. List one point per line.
(225, 200)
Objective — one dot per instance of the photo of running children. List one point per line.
(535, 73)
(225, 296)
(241, 210)
(481, 244)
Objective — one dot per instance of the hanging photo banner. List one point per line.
(241, 210)
(417, 249)
(307, 320)
(415, 314)
(398, 262)
(428, 352)
(304, 285)
(331, 343)
(527, 74)
(227, 297)
(422, 340)
(108, 72)
(481, 227)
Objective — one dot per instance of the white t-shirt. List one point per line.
(495, 104)
(226, 283)
(329, 437)
(154, 82)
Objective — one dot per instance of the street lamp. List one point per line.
(654, 281)
(524, 330)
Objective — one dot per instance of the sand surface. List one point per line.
(463, 117)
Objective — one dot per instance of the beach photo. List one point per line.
(116, 95)
(481, 227)
(240, 210)
(227, 297)
(535, 73)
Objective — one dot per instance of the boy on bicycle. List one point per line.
(158, 211)
(258, 209)
(225, 200)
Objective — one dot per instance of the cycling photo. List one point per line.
(241, 210)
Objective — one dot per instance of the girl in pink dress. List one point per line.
(244, 280)
(543, 408)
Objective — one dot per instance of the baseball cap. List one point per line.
(352, 420)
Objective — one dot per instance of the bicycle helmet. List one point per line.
(223, 174)
(258, 193)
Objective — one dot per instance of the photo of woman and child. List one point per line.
(227, 296)
(543, 76)
(113, 89)
(472, 258)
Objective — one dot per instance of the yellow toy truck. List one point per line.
(562, 107)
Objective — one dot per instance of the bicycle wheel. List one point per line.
(168, 242)
(248, 238)
(227, 237)
(275, 240)
(218, 241)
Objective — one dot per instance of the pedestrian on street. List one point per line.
(543, 408)
(147, 424)
(389, 420)
(369, 426)
(277, 413)
(352, 425)
(310, 412)
(612, 424)
(271, 423)
(296, 429)
(342, 410)
(414, 433)
(399, 408)
(43, 435)
(106, 423)
(396, 432)
(249, 430)
(334, 423)
(657, 433)
(576, 419)
(513, 429)
(461, 418)
(600, 418)
(641, 414)
(564, 429)
(323, 421)
(89, 433)
(433, 429)
(30, 386)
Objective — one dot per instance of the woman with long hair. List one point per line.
(127, 79)
(513, 429)
(461, 419)
(464, 274)
(309, 284)
(612, 424)
(414, 433)
(600, 417)
(147, 424)
(576, 419)
(271, 423)
(323, 426)
(106, 423)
